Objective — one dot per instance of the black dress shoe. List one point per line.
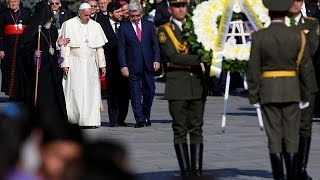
(123, 124)
(148, 122)
(114, 125)
(139, 125)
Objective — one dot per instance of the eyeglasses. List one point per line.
(53, 3)
(178, 5)
(94, 6)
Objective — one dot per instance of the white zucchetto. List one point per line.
(85, 6)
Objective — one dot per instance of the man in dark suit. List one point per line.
(117, 85)
(274, 81)
(60, 15)
(162, 15)
(139, 58)
(309, 26)
(310, 7)
(184, 90)
(95, 9)
(125, 10)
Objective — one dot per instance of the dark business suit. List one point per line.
(139, 58)
(117, 85)
(162, 15)
(311, 8)
(61, 16)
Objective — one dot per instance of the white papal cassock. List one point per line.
(83, 55)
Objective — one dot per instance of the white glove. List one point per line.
(303, 105)
(256, 105)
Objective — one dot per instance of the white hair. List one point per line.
(135, 6)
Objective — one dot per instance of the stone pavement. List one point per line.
(239, 153)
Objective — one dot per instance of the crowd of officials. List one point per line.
(61, 64)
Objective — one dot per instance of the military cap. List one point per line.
(177, 1)
(278, 5)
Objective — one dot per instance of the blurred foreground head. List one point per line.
(61, 147)
(14, 129)
(105, 160)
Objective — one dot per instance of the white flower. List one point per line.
(151, 1)
(205, 17)
(244, 53)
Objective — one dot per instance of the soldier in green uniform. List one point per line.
(279, 64)
(184, 90)
(309, 26)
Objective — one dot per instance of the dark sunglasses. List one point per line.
(55, 3)
(178, 5)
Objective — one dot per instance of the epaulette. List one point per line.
(162, 38)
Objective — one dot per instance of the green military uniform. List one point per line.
(184, 87)
(311, 28)
(185, 92)
(277, 67)
(278, 95)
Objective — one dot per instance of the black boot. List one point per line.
(183, 158)
(196, 152)
(303, 155)
(291, 161)
(277, 166)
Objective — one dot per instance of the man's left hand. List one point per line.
(156, 66)
(103, 71)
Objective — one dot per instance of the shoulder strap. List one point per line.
(180, 47)
(301, 52)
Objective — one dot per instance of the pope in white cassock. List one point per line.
(82, 58)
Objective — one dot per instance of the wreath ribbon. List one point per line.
(216, 63)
